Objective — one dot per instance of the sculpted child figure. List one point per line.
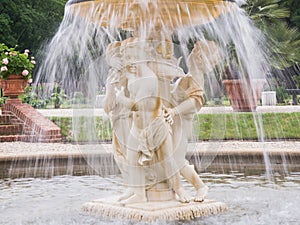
(119, 115)
(149, 134)
(188, 98)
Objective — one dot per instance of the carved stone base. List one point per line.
(153, 211)
(160, 192)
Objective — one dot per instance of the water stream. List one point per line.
(75, 60)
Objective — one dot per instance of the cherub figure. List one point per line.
(120, 116)
(187, 95)
(150, 134)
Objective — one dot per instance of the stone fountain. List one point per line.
(151, 102)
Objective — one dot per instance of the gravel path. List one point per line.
(13, 149)
(204, 110)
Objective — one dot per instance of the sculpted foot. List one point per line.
(183, 196)
(201, 194)
(134, 199)
(128, 193)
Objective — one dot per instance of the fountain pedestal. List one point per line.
(153, 211)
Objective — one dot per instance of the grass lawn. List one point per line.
(248, 126)
(236, 126)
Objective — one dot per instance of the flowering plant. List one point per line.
(14, 62)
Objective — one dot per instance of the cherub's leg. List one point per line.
(127, 194)
(201, 194)
(136, 192)
(123, 166)
(136, 176)
(172, 170)
(120, 158)
(189, 173)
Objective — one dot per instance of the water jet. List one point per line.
(154, 58)
(151, 100)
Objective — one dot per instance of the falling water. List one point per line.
(75, 57)
(76, 61)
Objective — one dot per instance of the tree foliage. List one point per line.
(294, 6)
(266, 11)
(29, 23)
(272, 17)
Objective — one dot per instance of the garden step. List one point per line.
(9, 119)
(11, 129)
(12, 138)
(5, 119)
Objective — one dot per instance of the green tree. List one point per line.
(271, 17)
(294, 6)
(29, 23)
(265, 12)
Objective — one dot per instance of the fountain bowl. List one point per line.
(131, 14)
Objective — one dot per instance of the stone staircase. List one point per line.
(13, 129)
(21, 122)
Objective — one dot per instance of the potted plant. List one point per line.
(270, 17)
(243, 90)
(58, 96)
(15, 71)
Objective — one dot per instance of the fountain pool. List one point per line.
(77, 62)
(250, 199)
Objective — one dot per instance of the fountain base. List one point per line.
(153, 211)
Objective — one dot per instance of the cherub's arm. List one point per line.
(192, 104)
(189, 105)
(125, 101)
(109, 100)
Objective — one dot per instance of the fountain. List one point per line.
(154, 87)
(151, 117)
(156, 59)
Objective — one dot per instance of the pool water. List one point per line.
(250, 199)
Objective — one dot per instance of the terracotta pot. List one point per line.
(13, 86)
(244, 95)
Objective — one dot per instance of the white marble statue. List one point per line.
(120, 116)
(187, 96)
(149, 137)
(152, 119)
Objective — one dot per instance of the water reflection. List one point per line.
(251, 199)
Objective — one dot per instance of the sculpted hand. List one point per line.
(169, 114)
(132, 69)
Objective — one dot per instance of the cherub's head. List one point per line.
(133, 50)
(205, 54)
(113, 53)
